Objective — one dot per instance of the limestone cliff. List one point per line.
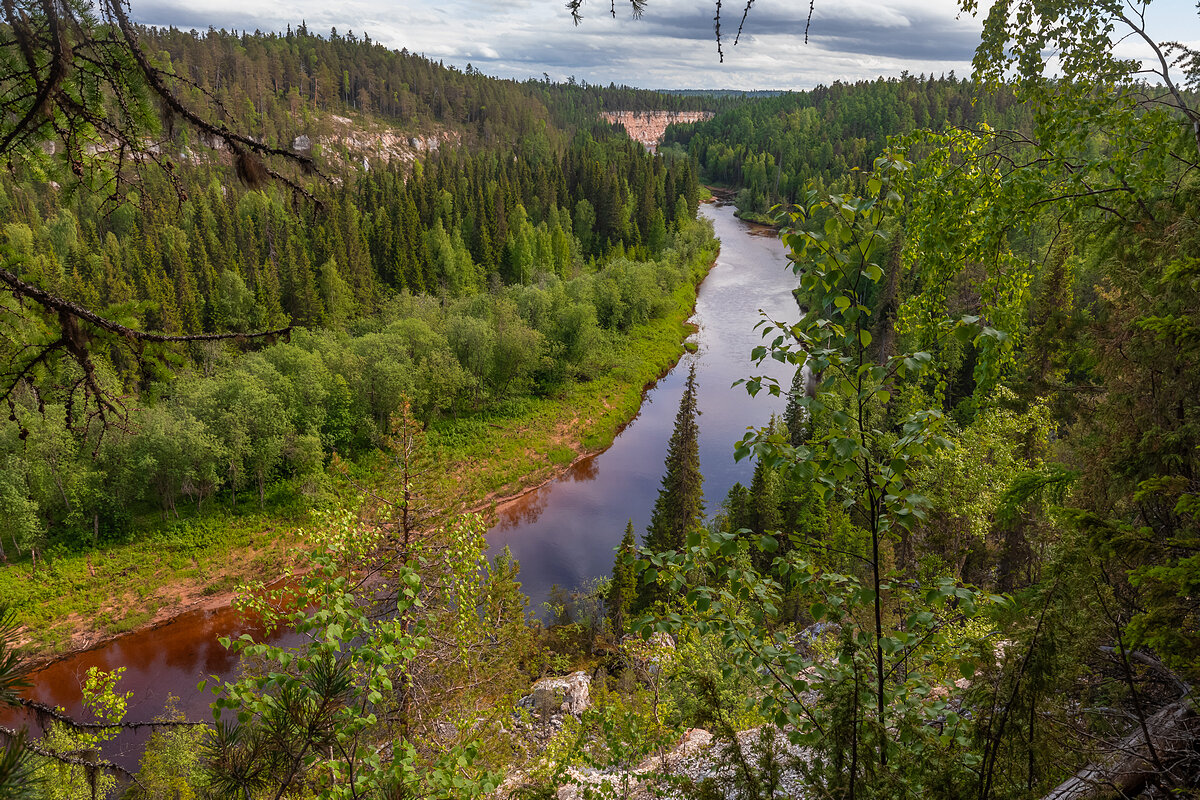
(648, 127)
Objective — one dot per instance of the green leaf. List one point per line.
(864, 336)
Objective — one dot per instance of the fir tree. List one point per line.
(623, 590)
(680, 504)
(794, 415)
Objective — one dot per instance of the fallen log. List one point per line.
(1174, 730)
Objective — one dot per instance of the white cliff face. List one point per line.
(383, 144)
(648, 127)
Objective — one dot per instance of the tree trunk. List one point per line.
(1124, 771)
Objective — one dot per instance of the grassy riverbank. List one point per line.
(76, 600)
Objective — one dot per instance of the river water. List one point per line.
(563, 533)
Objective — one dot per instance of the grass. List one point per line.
(118, 588)
(759, 217)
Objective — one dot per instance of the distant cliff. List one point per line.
(648, 126)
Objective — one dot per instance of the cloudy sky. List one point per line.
(671, 46)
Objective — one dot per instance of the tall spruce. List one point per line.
(623, 590)
(680, 504)
(794, 416)
(679, 508)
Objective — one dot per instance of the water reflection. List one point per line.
(585, 469)
(166, 661)
(523, 510)
(565, 533)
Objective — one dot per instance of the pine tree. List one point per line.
(623, 590)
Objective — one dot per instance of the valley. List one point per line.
(380, 424)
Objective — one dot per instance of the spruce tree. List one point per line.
(680, 504)
(623, 589)
(794, 415)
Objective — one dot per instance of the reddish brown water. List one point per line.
(160, 664)
(563, 533)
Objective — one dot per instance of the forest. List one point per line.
(771, 150)
(966, 563)
(480, 274)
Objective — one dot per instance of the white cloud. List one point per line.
(672, 46)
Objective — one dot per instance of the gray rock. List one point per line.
(568, 694)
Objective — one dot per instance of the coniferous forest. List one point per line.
(283, 317)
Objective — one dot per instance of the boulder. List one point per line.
(568, 694)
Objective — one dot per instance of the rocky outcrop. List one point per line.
(384, 145)
(646, 657)
(552, 697)
(699, 759)
(648, 127)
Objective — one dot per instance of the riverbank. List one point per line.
(79, 601)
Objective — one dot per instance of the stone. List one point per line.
(301, 143)
(568, 694)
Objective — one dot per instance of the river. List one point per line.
(563, 533)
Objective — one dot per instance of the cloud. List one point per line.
(672, 46)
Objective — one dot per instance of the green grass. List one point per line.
(760, 217)
(132, 581)
(117, 588)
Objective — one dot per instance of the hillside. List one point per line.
(770, 148)
(451, 264)
(648, 127)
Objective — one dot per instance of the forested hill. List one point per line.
(280, 86)
(514, 248)
(769, 148)
(526, 162)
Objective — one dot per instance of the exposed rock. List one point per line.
(302, 143)
(384, 145)
(648, 127)
(569, 694)
(698, 757)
